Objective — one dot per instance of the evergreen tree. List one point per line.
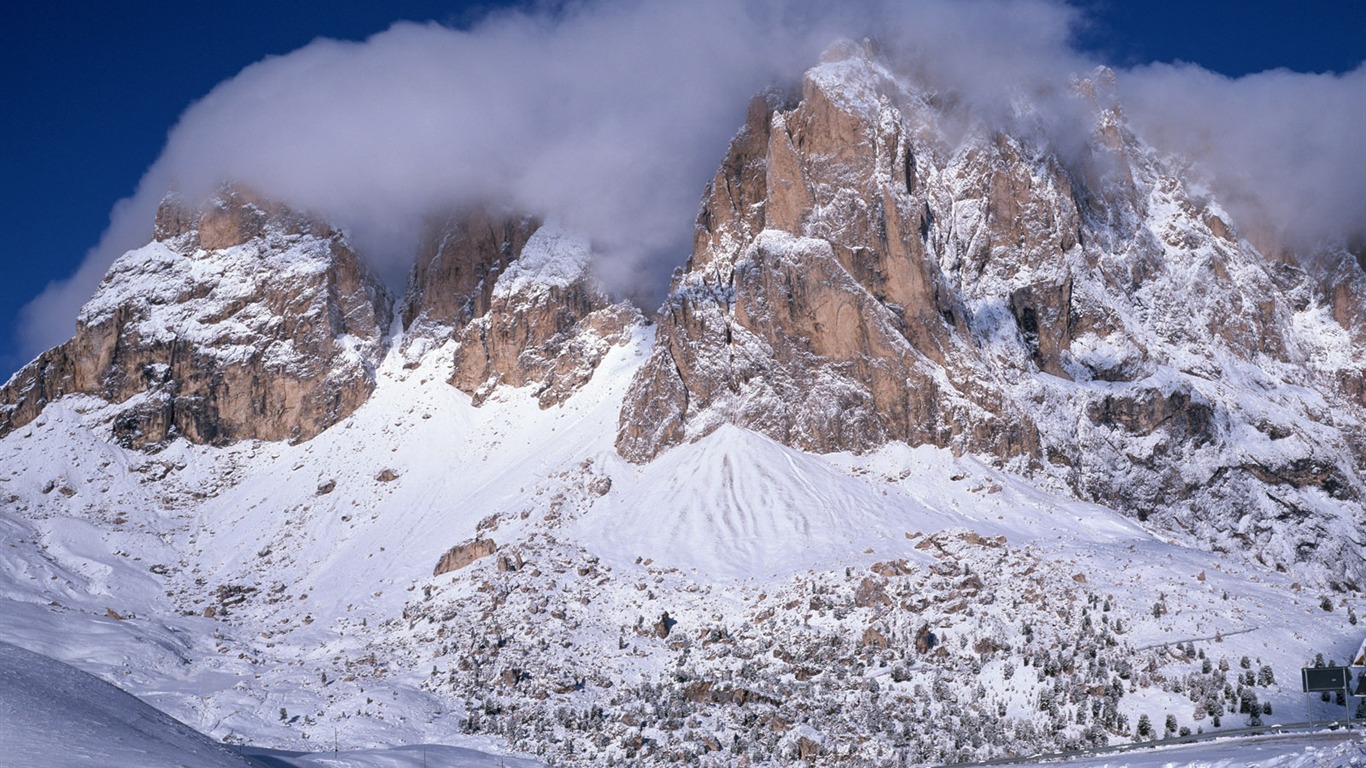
(1144, 729)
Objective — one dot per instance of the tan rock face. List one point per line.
(458, 263)
(553, 341)
(242, 320)
(813, 310)
(462, 555)
(517, 297)
(870, 266)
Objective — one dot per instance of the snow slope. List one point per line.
(52, 714)
(316, 560)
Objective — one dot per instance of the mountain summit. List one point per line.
(862, 275)
(242, 319)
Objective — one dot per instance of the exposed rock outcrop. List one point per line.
(458, 262)
(518, 298)
(874, 264)
(461, 555)
(241, 319)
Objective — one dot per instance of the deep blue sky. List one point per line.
(88, 90)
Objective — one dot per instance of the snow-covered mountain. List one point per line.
(862, 275)
(241, 319)
(945, 444)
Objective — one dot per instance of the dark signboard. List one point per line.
(1325, 678)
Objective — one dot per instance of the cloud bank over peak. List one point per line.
(611, 116)
(1284, 151)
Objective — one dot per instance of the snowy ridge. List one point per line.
(229, 320)
(552, 257)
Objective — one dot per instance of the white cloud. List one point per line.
(1285, 151)
(611, 116)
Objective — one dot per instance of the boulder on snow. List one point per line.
(461, 555)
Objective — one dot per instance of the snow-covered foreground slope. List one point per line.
(734, 600)
(54, 715)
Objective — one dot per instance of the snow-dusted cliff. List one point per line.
(518, 299)
(863, 275)
(241, 319)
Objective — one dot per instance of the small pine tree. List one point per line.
(1144, 729)
(1169, 727)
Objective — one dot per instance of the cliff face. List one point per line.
(869, 266)
(241, 319)
(457, 264)
(815, 270)
(518, 299)
(245, 319)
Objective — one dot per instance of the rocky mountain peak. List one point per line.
(518, 298)
(242, 319)
(234, 215)
(813, 310)
(457, 264)
(865, 271)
